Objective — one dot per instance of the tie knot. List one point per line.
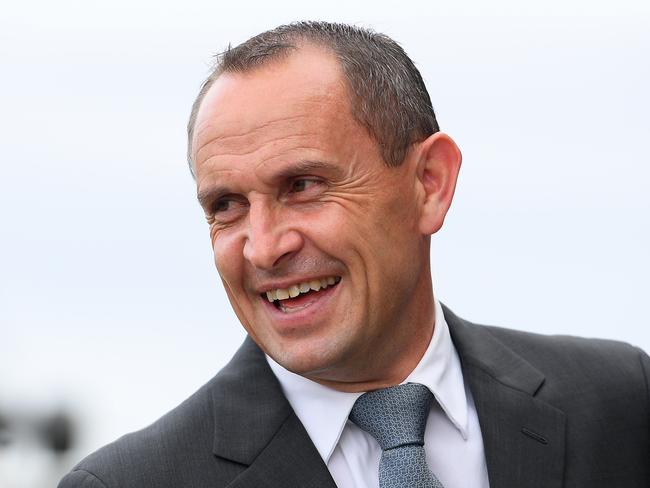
(395, 416)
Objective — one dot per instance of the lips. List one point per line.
(300, 295)
(300, 288)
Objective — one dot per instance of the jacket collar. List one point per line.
(523, 436)
(255, 426)
(479, 348)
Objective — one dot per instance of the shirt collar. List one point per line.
(324, 411)
(441, 372)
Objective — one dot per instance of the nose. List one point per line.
(270, 238)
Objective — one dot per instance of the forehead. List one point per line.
(309, 74)
(300, 102)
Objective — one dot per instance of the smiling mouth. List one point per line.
(300, 295)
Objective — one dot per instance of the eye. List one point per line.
(301, 184)
(222, 205)
(227, 209)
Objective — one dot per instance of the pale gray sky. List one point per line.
(109, 301)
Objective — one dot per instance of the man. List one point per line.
(322, 174)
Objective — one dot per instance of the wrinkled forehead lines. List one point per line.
(236, 139)
(311, 130)
(268, 148)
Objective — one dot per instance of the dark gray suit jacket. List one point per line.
(554, 412)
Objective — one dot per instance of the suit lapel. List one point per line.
(289, 460)
(523, 436)
(255, 426)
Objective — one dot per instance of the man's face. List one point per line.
(299, 200)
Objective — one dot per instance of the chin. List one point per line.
(319, 360)
(303, 364)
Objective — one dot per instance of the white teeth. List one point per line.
(281, 294)
(297, 289)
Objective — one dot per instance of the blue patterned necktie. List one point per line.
(396, 417)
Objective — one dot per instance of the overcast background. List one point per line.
(110, 307)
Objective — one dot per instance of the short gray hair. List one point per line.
(388, 95)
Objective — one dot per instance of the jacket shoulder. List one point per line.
(582, 368)
(175, 450)
(566, 351)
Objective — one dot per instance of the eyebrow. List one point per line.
(206, 196)
(306, 167)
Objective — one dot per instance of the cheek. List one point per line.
(347, 232)
(228, 257)
(335, 219)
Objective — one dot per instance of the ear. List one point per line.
(438, 164)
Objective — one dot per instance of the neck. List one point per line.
(395, 376)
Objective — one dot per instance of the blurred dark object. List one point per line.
(4, 431)
(54, 431)
(36, 443)
(57, 432)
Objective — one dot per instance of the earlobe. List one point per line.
(438, 166)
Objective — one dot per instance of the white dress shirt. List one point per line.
(453, 442)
